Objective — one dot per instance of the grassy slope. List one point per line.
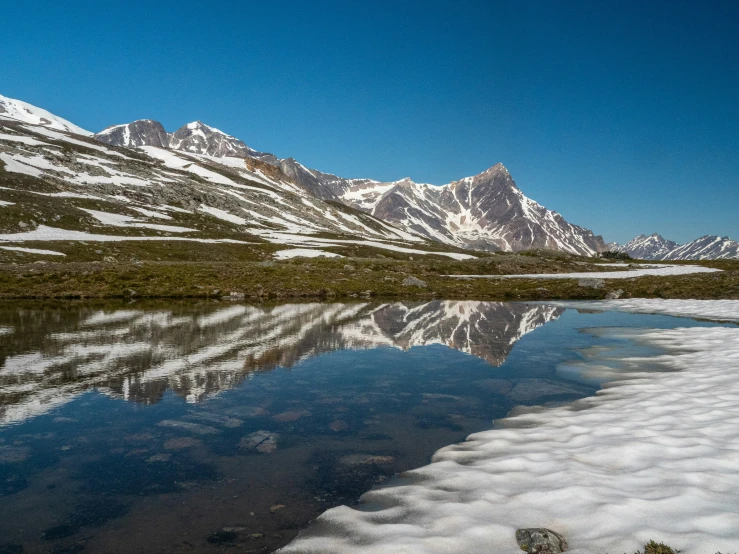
(180, 269)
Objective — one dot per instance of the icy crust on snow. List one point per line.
(628, 274)
(654, 456)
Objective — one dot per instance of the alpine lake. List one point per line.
(203, 426)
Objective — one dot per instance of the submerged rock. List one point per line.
(13, 454)
(181, 442)
(338, 425)
(365, 459)
(261, 441)
(188, 427)
(533, 390)
(291, 415)
(538, 539)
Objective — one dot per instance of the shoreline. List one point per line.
(362, 278)
(660, 466)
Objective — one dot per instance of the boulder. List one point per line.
(414, 282)
(538, 539)
(614, 294)
(591, 283)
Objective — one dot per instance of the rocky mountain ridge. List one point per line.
(655, 247)
(59, 185)
(484, 212)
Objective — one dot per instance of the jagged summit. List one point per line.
(652, 247)
(655, 247)
(142, 132)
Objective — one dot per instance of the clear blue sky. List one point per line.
(623, 116)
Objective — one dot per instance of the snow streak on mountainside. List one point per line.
(654, 247)
(16, 110)
(138, 355)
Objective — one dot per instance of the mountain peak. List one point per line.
(493, 171)
(200, 138)
(142, 132)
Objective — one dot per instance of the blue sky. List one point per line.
(623, 116)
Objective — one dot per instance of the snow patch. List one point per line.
(33, 250)
(630, 274)
(304, 253)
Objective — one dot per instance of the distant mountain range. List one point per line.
(200, 169)
(483, 212)
(655, 247)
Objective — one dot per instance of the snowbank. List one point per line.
(654, 456)
(304, 253)
(628, 274)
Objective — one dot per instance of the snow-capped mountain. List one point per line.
(484, 212)
(142, 132)
(63, 186)
(654, 247)
(706, 248)
(195, 138)
(199, 138)
(200, 350)
(17, 110)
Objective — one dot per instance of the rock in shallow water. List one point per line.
(537, 539)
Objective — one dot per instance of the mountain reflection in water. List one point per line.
(49, 357)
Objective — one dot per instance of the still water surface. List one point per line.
(211, 427)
